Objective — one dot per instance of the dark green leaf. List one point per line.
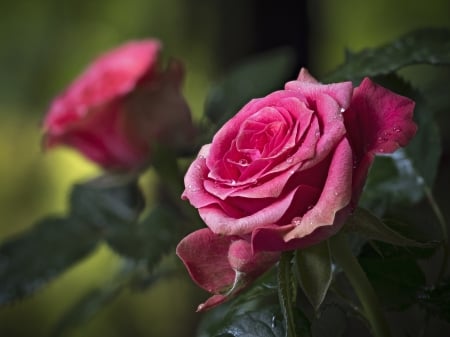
(425, 46)
(266, 322)
(29, 261)
(148, 239)
(256, 77)
(331, 322)
(370, 226)
(436, 300)
(314, 272)
(106, 202)
(396, 280)
(287, 292)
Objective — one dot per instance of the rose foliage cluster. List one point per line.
(277, 188)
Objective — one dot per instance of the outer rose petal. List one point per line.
(223, 265)
(310, 88)
(378, 121)
(336, 194)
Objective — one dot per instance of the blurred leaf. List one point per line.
(29, 261)
(106, 202)
(151, 238)
(370, 226)
(435, 300)
(314, 272)
(256, 77)
(424, 46)
(90, 304)
(396, 280)
(129, 275)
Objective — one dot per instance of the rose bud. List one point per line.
(120, 106)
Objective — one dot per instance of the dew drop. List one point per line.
(233, 182)
(243, 162)
(336, 194)
(396, 129)
(200, 156)
(193, 188)
(309, 207)
(290, 160)
(381, 150)
(317, 134)
(297, 221)
(342, 110)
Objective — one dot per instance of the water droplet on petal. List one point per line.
(342, 110)
(233, 182)
(289, 160)
(243, 162)
(297, 221)
(336, 194)
(396, 129)
(381, 150)
(192, 188)
(317, 134)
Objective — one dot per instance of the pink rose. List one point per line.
(285, 172)
(120, 105)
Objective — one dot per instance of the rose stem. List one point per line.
(344, 257)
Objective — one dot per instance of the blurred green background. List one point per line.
(46, 43)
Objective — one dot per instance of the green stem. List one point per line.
(347, 261)
(285, 292)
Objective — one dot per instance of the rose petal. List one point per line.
(222, 265)
(205, 256)
(221, 222)
(379, 120)
(310, 88)
(336, 194)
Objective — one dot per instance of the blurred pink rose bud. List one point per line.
(122, 104)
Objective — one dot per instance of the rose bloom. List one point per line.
(121, 104)
(284, 173)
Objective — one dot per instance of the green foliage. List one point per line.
(256, 77)
(314, 272)
(148, 240)
(396, 280)
(29, 261)
(371, 227)
(424, 46)
(435, 300)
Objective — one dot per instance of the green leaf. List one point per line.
(256, 77)
(332, 321)
(106, 202)
(287, 292)
(424, 46)
(266, 322)
(29, 261)
(148, 240)
(314, 272)
(370, 226)
(396, 280)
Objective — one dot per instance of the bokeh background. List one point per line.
(46, 43)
